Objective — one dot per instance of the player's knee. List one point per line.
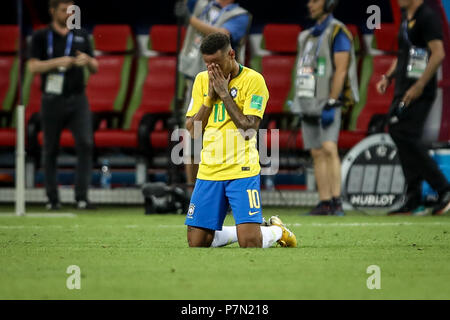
(198, 243)
(329, 149)
(198, 239)
(317, 153)
(250, 241)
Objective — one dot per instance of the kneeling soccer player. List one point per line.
(227, 105)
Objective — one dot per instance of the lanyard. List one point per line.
(405, 32)
(222, 11)
(50, 44)
(319, 45)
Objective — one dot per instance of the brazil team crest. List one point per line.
(191, 209)
(233, 92)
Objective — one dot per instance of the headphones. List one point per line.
(330, 5)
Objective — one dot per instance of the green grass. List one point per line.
(124, 254)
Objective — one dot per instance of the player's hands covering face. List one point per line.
(218, 80)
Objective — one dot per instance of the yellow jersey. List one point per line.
(226, 155)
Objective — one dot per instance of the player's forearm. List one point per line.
(205, 28)
(202, 117)
(39, 66)
(93, 65)
(337, 84)
(240, 120)
(391, 72)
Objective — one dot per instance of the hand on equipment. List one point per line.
(412, 94)
(328, 113)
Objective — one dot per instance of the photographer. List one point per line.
(325, 80)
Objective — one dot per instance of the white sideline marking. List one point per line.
(179, 226)
(41, 215)
(366, 224)
(30, 227)
(340, 224)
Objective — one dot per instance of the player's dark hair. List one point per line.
(55, 3)
(214, 42)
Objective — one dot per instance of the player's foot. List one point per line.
(288, 238)
(420, 211)
(85, 205)
(322, 209)
(404, 210)
(337, 208)
(411, 206)
(53, 206)
(443, 205)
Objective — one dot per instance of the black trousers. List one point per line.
(57, 113)
(416, 162)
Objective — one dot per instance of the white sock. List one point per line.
(226, 236)
(270, 235)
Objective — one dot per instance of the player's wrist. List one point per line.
(387, 77)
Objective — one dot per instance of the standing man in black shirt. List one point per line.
(59, 55)
(421, 52)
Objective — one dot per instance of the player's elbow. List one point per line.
(248, 132)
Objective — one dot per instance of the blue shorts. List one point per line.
(211, 199)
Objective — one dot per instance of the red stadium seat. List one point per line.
(159, 86)
(113, 38)
(7, 137)
(6, 75)
(376, 104)
(9, 38)
(9, 71)
(277, 68)
(281, 37)
(153, 94)
(164, 38)
(103, 87)
(386, 37)
(277, 71)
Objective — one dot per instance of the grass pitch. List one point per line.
(123, 254)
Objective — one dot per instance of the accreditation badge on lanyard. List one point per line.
(55, 81)
(418, 57)
(306, 78)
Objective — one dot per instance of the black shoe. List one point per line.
(410, 206)
(337, 208)
(322, 209)
(443, 205)
(85, 205)
(53, 206)
(402, 211)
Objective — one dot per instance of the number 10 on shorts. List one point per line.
(253, 199)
